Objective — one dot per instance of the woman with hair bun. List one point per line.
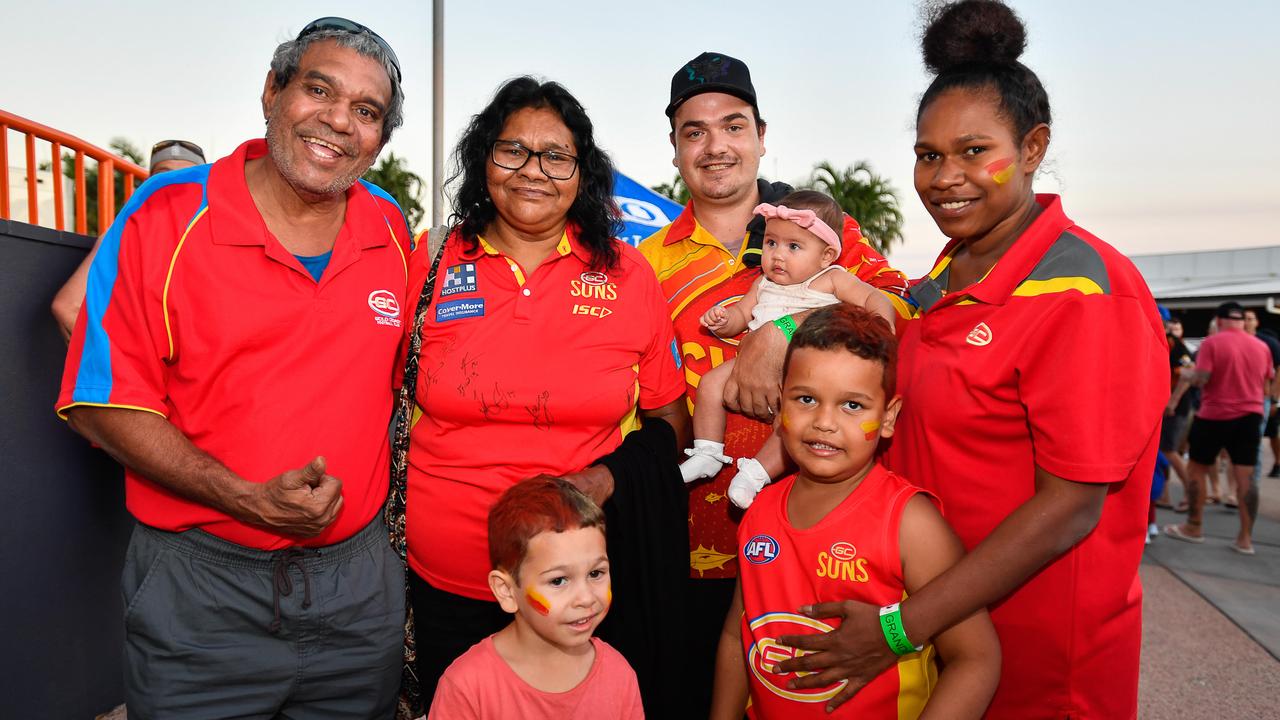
(1033, 380)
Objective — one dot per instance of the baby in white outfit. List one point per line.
(798, 273)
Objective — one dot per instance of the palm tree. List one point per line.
(118, 145)
(676, 190)
(867, 197)
(393, 175)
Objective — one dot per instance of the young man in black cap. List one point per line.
(1235, 371)
(709, 256)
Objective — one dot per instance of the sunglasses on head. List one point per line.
(345, 25)
(166, 144)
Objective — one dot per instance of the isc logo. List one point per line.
(760, 549)
(384, 303)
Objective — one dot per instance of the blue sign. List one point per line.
(644, 212)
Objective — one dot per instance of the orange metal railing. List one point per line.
(108, 165)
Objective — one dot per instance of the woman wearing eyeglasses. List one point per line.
(543, 343)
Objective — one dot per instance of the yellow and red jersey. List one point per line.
(197, 313)
(851, 554)
(696, 273)
(1056, 358)
(523, 371)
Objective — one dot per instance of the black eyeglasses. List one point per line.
(555, 164)
(166, 144)
(345, 25)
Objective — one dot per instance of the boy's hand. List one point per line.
(714, 318)
(856, 651)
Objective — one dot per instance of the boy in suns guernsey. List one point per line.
(550, 570)
(844, 528)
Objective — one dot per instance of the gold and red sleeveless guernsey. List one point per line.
(851, 554)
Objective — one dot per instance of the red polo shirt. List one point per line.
(1056, 358)
(195, 312)
(523, 372)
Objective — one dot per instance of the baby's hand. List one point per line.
(715, 318)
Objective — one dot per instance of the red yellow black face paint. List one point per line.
(871, 428)
(539, 604)
(1001, 170)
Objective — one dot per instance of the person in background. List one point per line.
(166, 155)
(1270, 425)
(1235, 371)
(236, 353)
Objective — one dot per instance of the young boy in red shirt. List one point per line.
(844, 528)
(550, 570)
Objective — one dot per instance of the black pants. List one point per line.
(446, 626)
(707, 602)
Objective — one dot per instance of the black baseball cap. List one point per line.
(1231, 310)
(711, 72)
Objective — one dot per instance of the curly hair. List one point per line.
(593, 210)
(975, 44)
(851, 328)
(288, 57)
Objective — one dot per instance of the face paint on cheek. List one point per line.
(782, 419)
(608, 599)
(1001, 171)
(539, 604)
(871, 428)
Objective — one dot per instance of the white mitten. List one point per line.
(749, 481)
(706, 457)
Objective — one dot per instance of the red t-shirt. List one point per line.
(522, 372)
(196, 312)
(479, 685)
(1238, 365)
(697, 273)
(851, 554)
(1056, 358)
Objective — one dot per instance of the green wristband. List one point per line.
(787, 326)
(891, 624)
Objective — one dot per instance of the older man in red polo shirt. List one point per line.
(235, 352)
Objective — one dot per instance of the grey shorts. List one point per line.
(202, 639)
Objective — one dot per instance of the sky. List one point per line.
(1164, 134)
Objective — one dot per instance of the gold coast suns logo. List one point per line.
(766, 652)
(592, 286)
(842, 563)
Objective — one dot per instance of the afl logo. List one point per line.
(979, 336)
(384, 303)
(760, 550)
(843, 550)
(594, 278)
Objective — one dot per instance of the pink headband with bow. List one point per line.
(806, 219)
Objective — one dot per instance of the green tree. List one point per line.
(394, 176)
(676, 190)
(867, 197)
(118, 145)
